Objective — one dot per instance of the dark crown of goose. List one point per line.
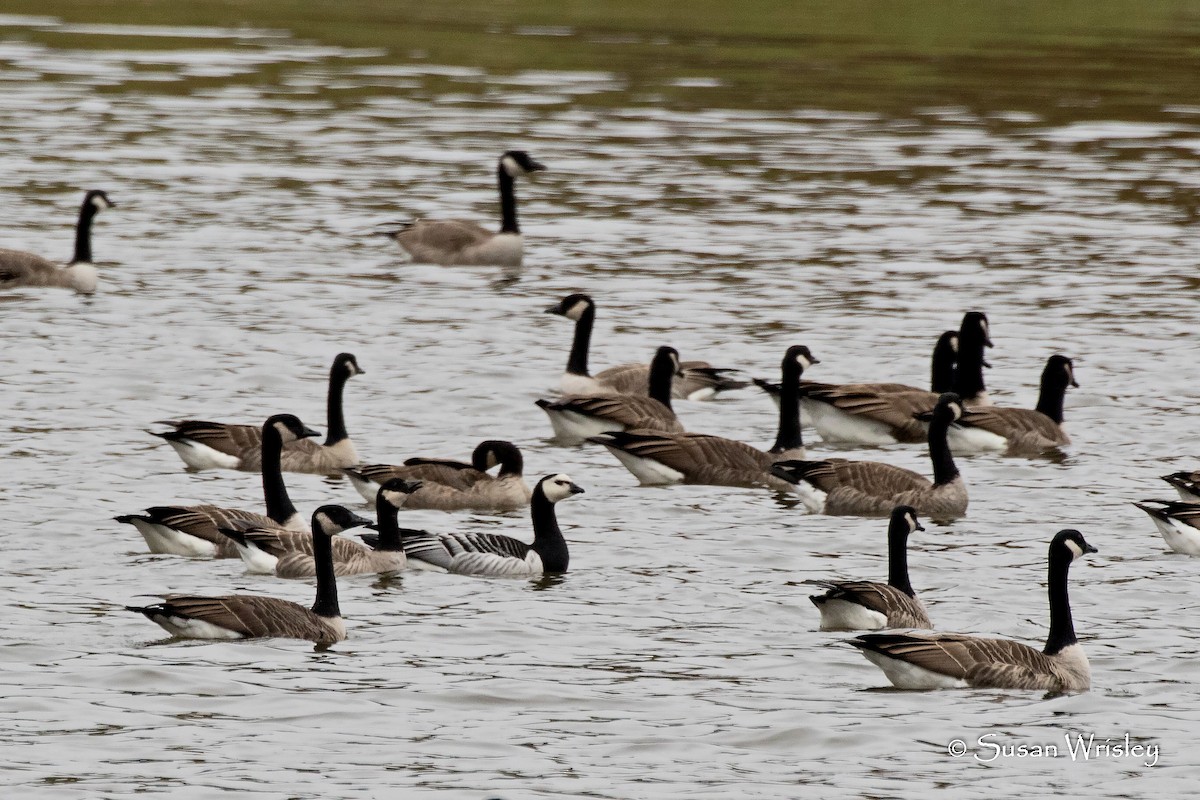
(522, 160)
(666, 352)
(976, 322)
(289, 425)
(333, 519)
(907, 515)
(799, 354)
(563, 307)
(389, 489)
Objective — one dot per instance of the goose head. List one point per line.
(396, 491)
(1060, 371)
(289, 427)
(1071, 542)
(665, 355)
(949, 407)
(558, 487)
(97, 200)
(346, 366)
(798, 355)
(493, 452)
(573, 306)
(517, 163)
(332, 520)
(904, 519)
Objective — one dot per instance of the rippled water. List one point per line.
(679, 657)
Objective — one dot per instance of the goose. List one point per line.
(1178, 522)
(460, 242)
(19, 268)
(698, 380)
(658, 458)
(452, 485)
(244, 616)
(866, 605)
(218, 445)
(945, 353)
(953, 660)
(1187, 485)
(873, 489)
(1018, 431)
(493, 555)
(576, 417)
(288, 554)
(193, 530)
(848, 414)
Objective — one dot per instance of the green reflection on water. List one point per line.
(1062, 60)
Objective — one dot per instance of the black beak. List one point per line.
(535, 166)
(924, 416)
(920, 527)
(554, 309)
(576, 489)
(1087, 548)
(1074, 385)
(814, 360)
(984, 361)
(412, 486)
(308, 432)
(357, 522)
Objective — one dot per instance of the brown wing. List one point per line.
(431, 240)
(894, 409)
(984, 663)
(442, 474)
(202, 521)
(251, 615)
(240, 441)
(630, 411)
(1025, 429)
(18, 268)
(697, 375)
(870, 477)
(901, 610)
(702, 459)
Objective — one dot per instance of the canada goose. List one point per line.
(846, 413)
(866, 605)
(244, 616)
(218, 445)
(288, 554)
(873, 489)
(494, 555)
(460, 242)
(698, 380)
(19, 268)
(945, 353)
(1178, 522)
(656, 458)
(1187, 485)
(575, 418)
(452, 485)
(1020, 430)
(193, 530)
(952, 660)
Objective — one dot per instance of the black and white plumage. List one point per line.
(659, 458)
(697, 380)
(242, 616)
(22, 269)
(219, 445)
(193, 530)
(866, 605)
(860, 414)
(1020, 431)
(449, 485)
(461, 242)
(951, 660)
(873, 489)
(494, 555)
(1186, 485)
(1178, 521)
(575, 418)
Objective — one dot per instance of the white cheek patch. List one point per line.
(397, 499)
(1076, 550)
(325, 523)
(511, 166)
(576, 311)
(100, 203)
(284, 432)
(803, 361)
(954, 343)
(912, 522)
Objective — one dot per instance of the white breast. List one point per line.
(835, 425)
(842, 615)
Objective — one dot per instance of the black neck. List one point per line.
(548, 540)
(335, 420)
(275, 493)
(1062, 627)
(83, 233)
(898, 556)
(788, 437)
(944, 469)
(1051, 396)
(508, 202)
(968, 377)
(511, 463)
(941, 378)
(577, 363)
(327, 599)
(388, 527)
(662, 373)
